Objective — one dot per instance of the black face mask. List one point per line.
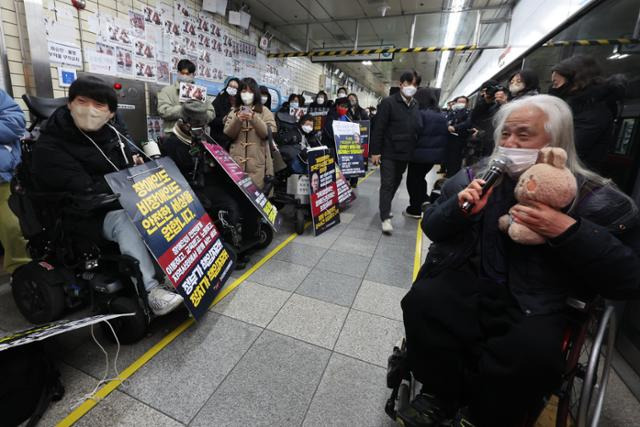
(560, 92)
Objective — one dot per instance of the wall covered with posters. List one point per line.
(143, 40)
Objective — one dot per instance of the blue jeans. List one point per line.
(118, 228)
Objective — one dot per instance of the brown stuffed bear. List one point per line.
(549, 182)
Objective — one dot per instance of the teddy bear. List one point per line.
(549, 181)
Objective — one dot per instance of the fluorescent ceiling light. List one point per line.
(367, 63)
(453, 22)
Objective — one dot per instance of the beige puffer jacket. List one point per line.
(250, 147)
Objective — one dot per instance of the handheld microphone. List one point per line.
(498, 165)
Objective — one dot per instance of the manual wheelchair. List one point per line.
(588, 346)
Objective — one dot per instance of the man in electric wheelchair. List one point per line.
(294, 147)
(239, 220)
(484, 320)
(81, 143)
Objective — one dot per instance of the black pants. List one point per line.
(391, 172)
(455, 148)
(469, 344)
(417, 185)
(239, 209)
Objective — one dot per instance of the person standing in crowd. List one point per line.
(524, 83)
(265, 97)
(492, 96)
(12, 128)
(169, 105)
(356, 112)
(292, 102)
(340, 112)
(430, 149)
(79, 145)
(223, 104)
(459, 119)
(247, 126)
(342, 93)
(393, 141)
(486, 317)
(320, 101)
(594, 102)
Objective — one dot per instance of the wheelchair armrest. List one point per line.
(89, 202)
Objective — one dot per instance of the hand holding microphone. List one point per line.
(474, 198)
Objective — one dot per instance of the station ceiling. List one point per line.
(333, 24)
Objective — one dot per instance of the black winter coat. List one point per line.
(594, 109)
(222, 106)
(433, 136)
(357, 115)
(395, 132)
(64, 160)
(600, 254)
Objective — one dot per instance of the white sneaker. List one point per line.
(163, 301)
(387, 228)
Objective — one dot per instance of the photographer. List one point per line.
(492, 97)
(81, 143)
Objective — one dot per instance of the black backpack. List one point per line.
(30, 381)
(288, 133)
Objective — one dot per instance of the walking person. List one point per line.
(431, 149)
(393, 142)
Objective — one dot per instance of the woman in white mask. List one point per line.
(81, 143)
(223, 104)
(247, 126)
(504, 303)
(524, 83)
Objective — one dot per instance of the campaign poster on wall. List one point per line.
(192, 92)
(324, 190)
(245, 184)
(365, 133)
(298, 112)
(176, 229)
(348, 148)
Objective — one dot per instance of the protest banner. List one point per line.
(298, 112)
(348, 149)
(192, 92)
(319, 117)
(245, 184)
(42, 332)
(176, 229)
(345, 192)
(365, 133)
(324, 190)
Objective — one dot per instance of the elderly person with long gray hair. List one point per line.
(485, 318)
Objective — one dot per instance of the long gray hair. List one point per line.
(559, 127)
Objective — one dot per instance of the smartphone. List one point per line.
(245, 109)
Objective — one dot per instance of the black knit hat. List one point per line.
(96, 89)
(195, 113)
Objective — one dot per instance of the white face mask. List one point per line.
(294, 105)
(307, 129)
(342, 95)
(264, 100)
(320, 100)
(520, 159)
(409, 91)
(516, 87)
(247, 98)
(187, 78)
(459, 106)
(232, 91)
(89, 118)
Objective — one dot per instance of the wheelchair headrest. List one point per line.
(43, 108)
(286, 118)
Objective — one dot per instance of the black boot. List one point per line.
(424, 411)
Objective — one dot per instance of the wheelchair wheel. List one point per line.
(130, 329)
(582, 404)
(38, 293)
(300, 220)
(265, 236)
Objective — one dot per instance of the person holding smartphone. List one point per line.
(247, 126)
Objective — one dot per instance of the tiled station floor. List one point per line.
(302, 341)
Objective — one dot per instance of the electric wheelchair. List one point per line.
(588, 346)
(68, 271)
